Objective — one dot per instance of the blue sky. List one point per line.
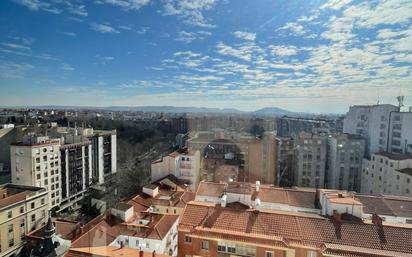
(316, 56)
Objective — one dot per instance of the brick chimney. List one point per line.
(141, 253)
(154, 254)
(336, 216)
(377, 220)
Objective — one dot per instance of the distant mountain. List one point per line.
(267, 111)
(173, 109)
(274, 111)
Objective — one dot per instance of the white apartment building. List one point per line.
(370, 122)
(309, 160)
(344, 157)
(182, 164)
(36, 162)
(400, 132)
(387, 173)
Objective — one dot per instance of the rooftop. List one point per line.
(10, 193)
(107, 251)
(273, 227)
(393, 156)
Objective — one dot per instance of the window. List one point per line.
(38, 176)
(11, 242)
(9, 214)
(10, 228)
(32, 205)
(42, 201)
(311, 253)
(188, 239)
(205, 245)
(22, 223)
(269, 254)
(221, 248)
(33, 217)
(21, 209)
(231, 249)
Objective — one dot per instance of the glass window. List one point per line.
(205, 245)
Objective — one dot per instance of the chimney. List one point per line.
(121, 244)
(336, 216)
(223, 200)
(141, 253)
(377, 220)
(154, 254)
(257, 185)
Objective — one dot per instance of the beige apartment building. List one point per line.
(36, 162)
(22, 209)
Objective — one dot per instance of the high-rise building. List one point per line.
(76, 172)
(309, 160)
(182, 164)
(22, 209)
(372, 123)
(36, 162)
(256, 157)
(400, 132)
(104, 152)
(286, 154)
(386, 173)
(344, 162)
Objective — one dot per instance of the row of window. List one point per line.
(32, 206)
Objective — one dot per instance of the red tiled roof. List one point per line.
(302, 229)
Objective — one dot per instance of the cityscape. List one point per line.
(196, 128)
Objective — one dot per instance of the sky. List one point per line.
(309, 56)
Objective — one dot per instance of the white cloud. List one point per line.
(245, 35)
(295, 28)
(103, 28)
(283, 50)
(16, 46)
(67, 67)
(68, 33)
(55, 7)
(390, 12)
(188, 37)
(126, 4)
(224, 49)
(190, 11)
(14, 70)
(335, 4)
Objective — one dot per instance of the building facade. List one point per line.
(400, 133)
(76, 175)
(309, 160)
(36, 162)
(22, 209)
(344, 162)
(386, 173)
(372, 123)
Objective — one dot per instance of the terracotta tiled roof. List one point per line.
(302, 229)
(210, 189)
(386, 205)
(353, 251)
(106, 251)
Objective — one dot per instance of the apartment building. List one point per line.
(127, 227)
(309, 160)
(386, 173)
(183, 164)
(286, 155)
(255, 157)
(22, 209)
(76, 175)
(344, 162)
(210, 229)
(393, 209)
(372, 123)
(36, 162)
(291, 126)
(400, 133)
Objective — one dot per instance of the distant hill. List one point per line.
(267, 111)
(274, 111)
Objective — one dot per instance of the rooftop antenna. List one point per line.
(378, 99)
(400, 101)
